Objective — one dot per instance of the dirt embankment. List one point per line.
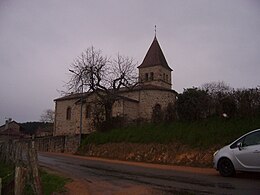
(174, 153)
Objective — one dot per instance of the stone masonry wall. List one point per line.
(62, 125)
(72, 126)
(159, 78)
(146, 99)
(158, 97)
(172, 153)
(131, 110)
(67, 144)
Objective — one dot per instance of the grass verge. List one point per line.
(197, 134)
(6, 173)
(51, 182)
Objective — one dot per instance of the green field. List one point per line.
(200, 134)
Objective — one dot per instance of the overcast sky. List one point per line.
(202, 40)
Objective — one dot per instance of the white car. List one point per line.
(241, 155)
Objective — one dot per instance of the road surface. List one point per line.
(118, 175)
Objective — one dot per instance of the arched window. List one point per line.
(151, 76)
(157, 113)
(68, 113)
(88, 111)
(146, 76)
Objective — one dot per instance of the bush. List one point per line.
(193, 104)
(115, 122)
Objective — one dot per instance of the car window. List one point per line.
(252, 139)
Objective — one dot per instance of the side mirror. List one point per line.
(240, 145)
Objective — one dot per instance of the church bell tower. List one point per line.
(154, 69)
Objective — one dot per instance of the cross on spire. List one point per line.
(154, 30)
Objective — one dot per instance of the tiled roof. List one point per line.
(128, 99)
(122, 90)
(150, 87)
(72, 96)
(154, 56)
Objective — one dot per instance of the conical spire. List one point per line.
(154, 56)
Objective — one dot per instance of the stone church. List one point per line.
(154, 89)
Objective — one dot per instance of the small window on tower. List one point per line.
(146, 76)
(151, 76)
(164, 76)
(167, 78)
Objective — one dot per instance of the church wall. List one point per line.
(125, 108)
(118, 108)
(87, 122)
(62, 125)
(149, 98)
(135, 95)
(72, 126)
(131, 110)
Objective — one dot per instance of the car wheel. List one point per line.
(226, 168)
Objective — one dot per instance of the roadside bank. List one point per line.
(173, 154)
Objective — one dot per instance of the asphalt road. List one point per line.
(166, 179)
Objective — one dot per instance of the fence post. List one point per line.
(0, 186)
(33, 163)
(20, 177)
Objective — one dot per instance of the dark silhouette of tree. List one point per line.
(228, 106)
(170, 113)
(248, 102)
(193, 104)
(219, 92)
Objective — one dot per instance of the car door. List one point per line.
(248, 155)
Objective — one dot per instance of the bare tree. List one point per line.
(47, 116)
(215, 88)
(93, 72)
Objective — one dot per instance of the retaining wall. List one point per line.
(67, 144)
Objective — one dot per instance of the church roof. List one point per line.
(154, 56)
(122, 90)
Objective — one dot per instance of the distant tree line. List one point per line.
(211, 99)
(31, 127)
